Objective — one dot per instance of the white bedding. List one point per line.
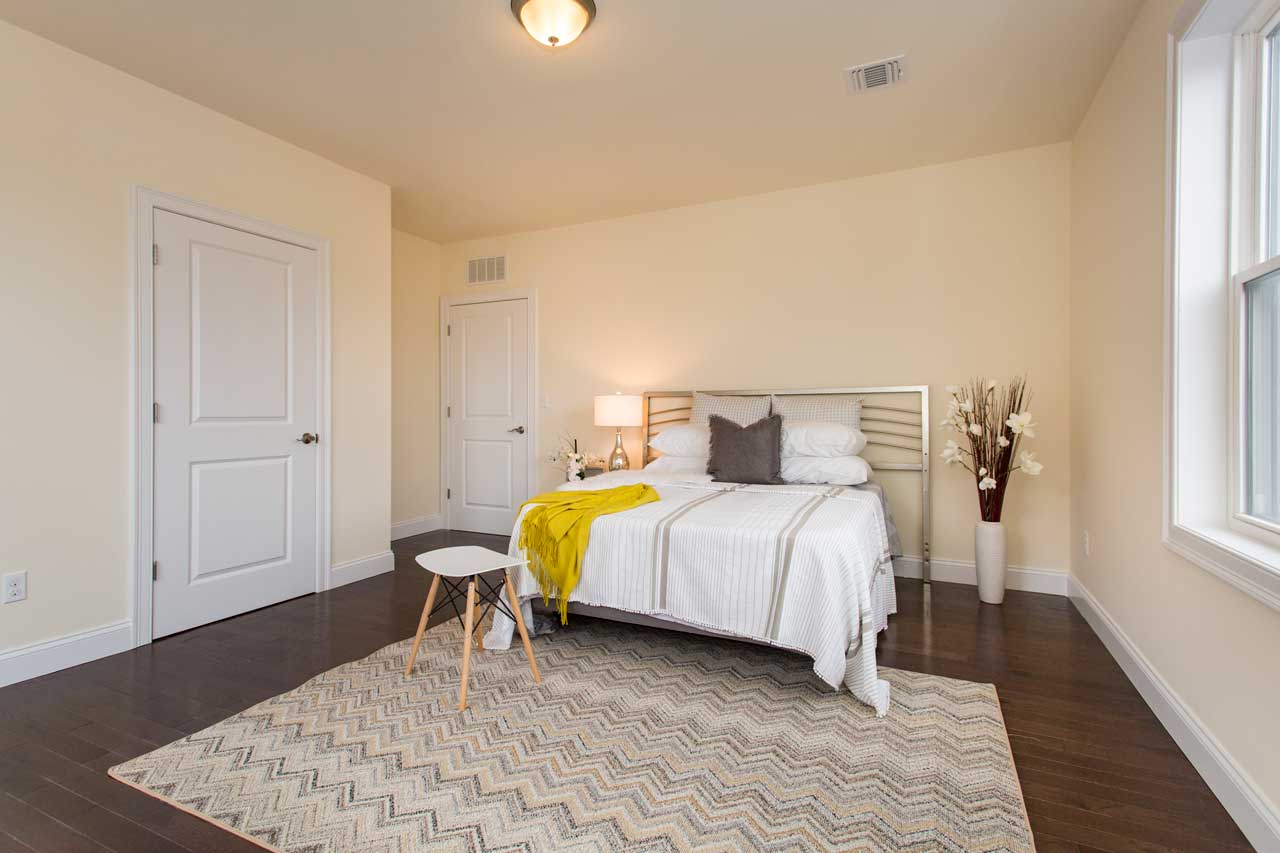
(796, 566)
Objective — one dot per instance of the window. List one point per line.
(1261, 422)
(1256, 502)
(1222, 438)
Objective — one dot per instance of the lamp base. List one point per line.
(618, 460)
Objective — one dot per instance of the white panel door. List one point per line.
(237, 364)
(488, 415)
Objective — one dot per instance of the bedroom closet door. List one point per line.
(487, 408)
(237, 390)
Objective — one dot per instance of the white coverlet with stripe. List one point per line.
(793, 566)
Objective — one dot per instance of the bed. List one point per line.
(801, 567)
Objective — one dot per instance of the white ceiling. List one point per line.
(661, 103)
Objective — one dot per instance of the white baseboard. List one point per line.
(48, 656)
(359, 569)
(963, 571)
(1257, 817)
(415, 526)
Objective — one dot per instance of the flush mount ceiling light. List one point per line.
(554, 23)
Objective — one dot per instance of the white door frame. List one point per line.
(506, 294)
(145, 202)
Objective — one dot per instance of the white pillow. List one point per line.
(841, 410)
(678, 465)
(743, 411)
(835, 470)
(820, 438)
(683, 440)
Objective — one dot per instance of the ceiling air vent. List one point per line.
(487, 270)
(876, 75)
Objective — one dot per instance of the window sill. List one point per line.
(1250, 566)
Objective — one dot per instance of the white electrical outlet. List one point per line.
(15, 587)
(1084, 542)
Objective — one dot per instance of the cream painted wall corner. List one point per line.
(415, 371)
(1210, 645)
(78, 136)
(927, 276)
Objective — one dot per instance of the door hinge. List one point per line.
(155, 413)
(448, 494)
(155, 569)
(155, 254)
(448, 411)
(448, 330)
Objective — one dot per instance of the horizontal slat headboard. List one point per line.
(895, 419)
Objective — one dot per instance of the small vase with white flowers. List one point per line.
(994, 421)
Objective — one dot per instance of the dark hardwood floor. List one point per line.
(1097, 769)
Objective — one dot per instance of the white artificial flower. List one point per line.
(966, 406)
(1021, 424)
(982, 472)
(1002, 441)
(1027, 462)
(975, 429)
(987, 483)
(952, 454)
(952, 389)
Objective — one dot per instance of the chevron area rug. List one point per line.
(637, 739)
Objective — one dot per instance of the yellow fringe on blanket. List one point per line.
(555, 532)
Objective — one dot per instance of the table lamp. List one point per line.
(618, 410)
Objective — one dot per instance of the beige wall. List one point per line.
(76, 136)
(930, 276)
(415, 382)
(1215, 646)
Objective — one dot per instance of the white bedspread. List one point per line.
(792, 566)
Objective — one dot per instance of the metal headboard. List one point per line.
(897, 430)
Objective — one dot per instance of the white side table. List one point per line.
(469, 563)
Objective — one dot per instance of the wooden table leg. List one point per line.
(467, 631)
(524, 635)
(422, 624)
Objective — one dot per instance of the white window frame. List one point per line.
(1252, 147)
(1204, 520)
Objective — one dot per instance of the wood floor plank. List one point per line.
(106, 828)
(41, 832)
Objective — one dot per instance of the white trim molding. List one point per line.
(145, 202)
(360, 569)
(964, 571)
(48, 656)
(1257, 817)
(416, 526)
(502, 294)
(1235, 565)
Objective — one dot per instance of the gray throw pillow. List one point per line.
(746, 454)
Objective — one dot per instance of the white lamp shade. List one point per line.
(618, 410)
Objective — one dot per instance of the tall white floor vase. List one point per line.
(990, 550)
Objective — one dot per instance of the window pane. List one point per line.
(1271, 193)
(1262, 373)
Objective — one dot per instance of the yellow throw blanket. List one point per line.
(554, 534)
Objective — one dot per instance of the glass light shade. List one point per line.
(554, 23)
(618, 410)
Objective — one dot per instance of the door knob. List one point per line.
(519, 429)
(308, 438)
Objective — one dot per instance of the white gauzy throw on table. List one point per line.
(794, 566)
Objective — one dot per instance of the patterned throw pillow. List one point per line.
(743, 411)
(840, 410)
